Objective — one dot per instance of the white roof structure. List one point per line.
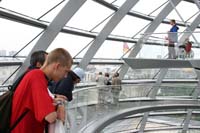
(100, 35)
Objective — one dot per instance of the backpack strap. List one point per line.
(18, 120)
(196, 68)
(12, 88)
(18, 80)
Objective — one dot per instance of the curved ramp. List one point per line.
(97, 126)
(135, 63)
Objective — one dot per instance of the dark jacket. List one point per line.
(172, 35)
(174, 28)
(63, 87)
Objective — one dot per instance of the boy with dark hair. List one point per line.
(37, 59)
(66, 85)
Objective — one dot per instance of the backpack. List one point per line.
(6, 107)
(108, 83)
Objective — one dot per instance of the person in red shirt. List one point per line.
(188, 47)
(32, 95)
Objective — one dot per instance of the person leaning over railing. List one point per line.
(32, 94)
(66, 85)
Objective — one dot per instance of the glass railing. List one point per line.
(155, 124)
(180, 45)
(93, 103)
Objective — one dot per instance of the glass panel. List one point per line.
(93, 70)
(176, 90)
(157, 52)
(5, 72)
(53, 13)
(196, 53)
(193, 131)
(34, 8)
(143, 6)
(185, 9)
(125, 125)
(129, 26)
(89, 15)
(116, 47)
(195, 120)
(74, 44)
(14, 36)
(134, 74)
(197, 36)
(182, 73)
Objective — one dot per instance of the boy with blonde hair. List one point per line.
(32, 95)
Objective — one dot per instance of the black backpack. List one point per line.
(5, 108)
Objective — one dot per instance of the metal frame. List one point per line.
(53, 29)
(104, 33)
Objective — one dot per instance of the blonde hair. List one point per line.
(59, 55)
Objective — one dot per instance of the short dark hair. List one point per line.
(107, 74)
(38, 56)
(173, 21)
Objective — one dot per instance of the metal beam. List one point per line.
(135, 14)
(197, 3)
(37, 23)
(191, 28)
(143, 123)
(152, 94)
(54, 28)
(10, 63)
(187, 121)
(163, 14)
(188, 28)
(115, 19)
(156, 86)
(21, 19)
(155, 23)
